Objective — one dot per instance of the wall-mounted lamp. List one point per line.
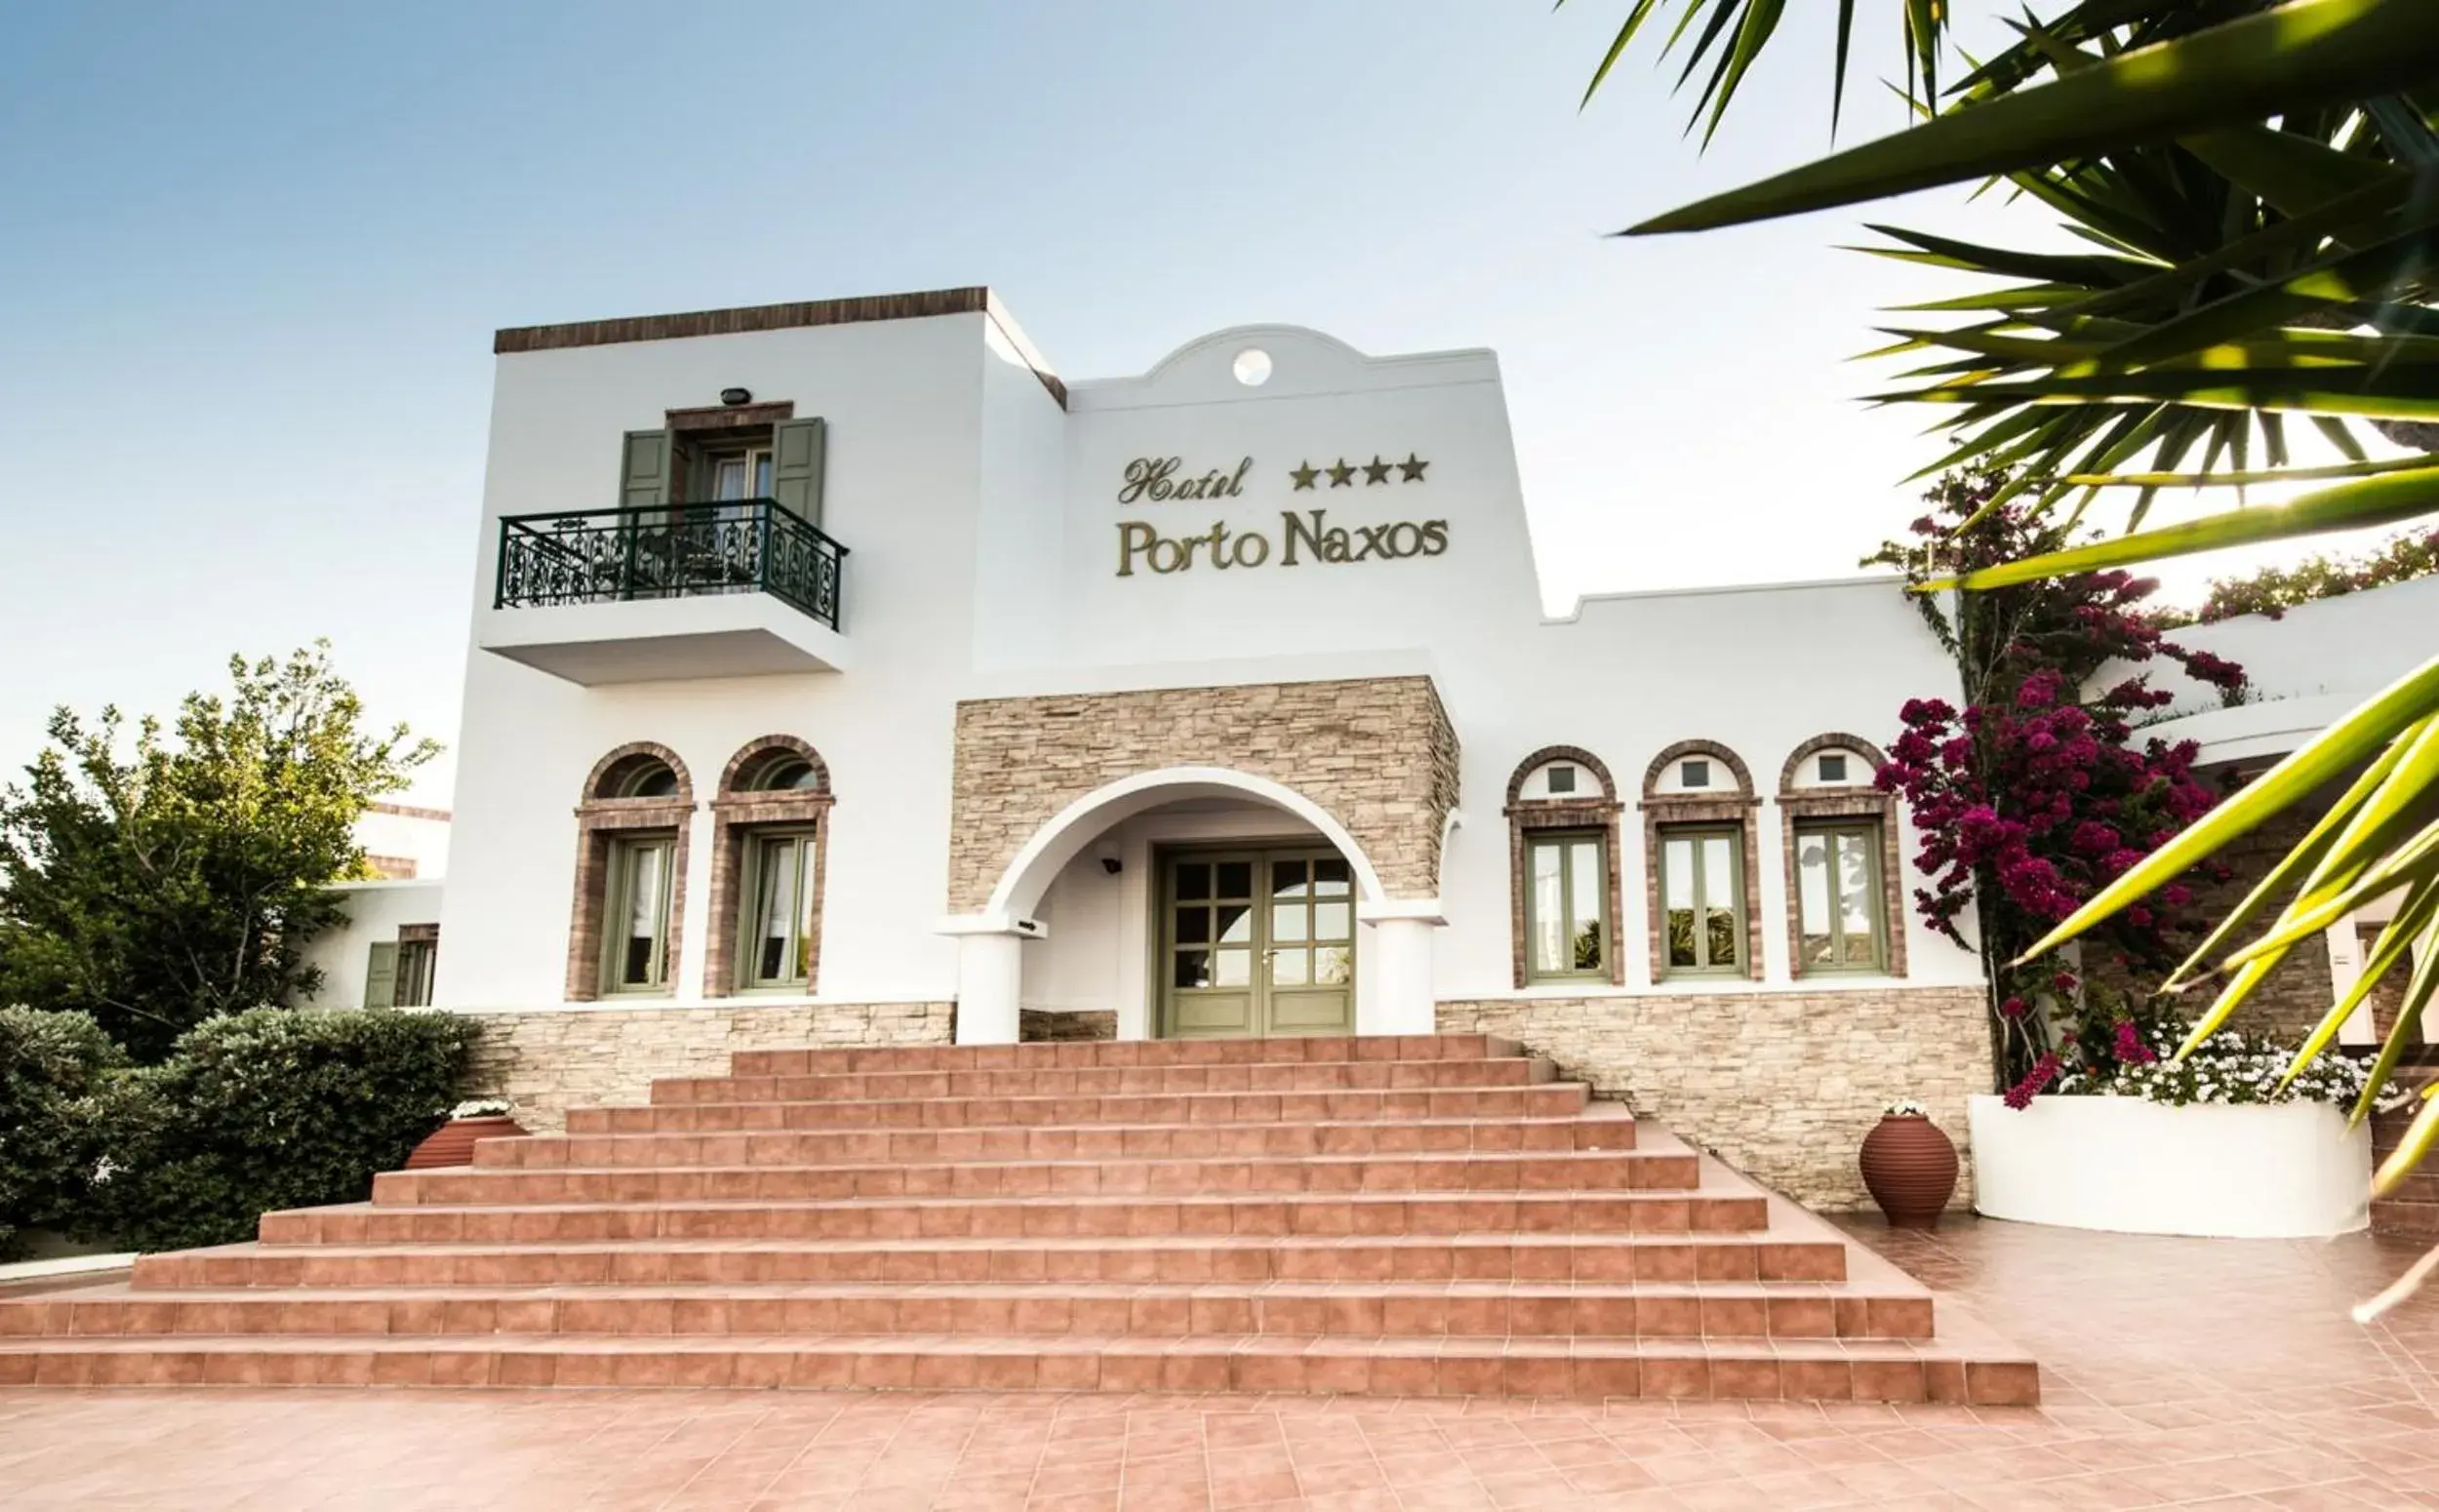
(1109, 855)
(737, 396)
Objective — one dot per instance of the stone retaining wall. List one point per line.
(1783, 1085)
(547, 1060)
(1065, 1025)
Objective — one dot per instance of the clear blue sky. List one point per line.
(251, 257)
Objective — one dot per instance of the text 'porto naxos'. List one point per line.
(1303, 535)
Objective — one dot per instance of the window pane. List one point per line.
(1722, 939)
(728, 478)
(1588, 891)
(762, 475)
(1236, 969)
(1236, 924)
(640, 911)
(1857, 898)
(1331, 921)
(1549, 905)
(1811, 892)
(1334, 965)
(1286, 969)
(774, 911)
(1287, 924)
(1719, 872)
(1676, 870)
(1193, 878)
(1287, 878)
(1235, 878)
(1192, 970)
(1676, 882)
(1193, 925)
(1330, 877)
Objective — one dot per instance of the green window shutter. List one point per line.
(646, 469)
(796, 448)
(381, 977)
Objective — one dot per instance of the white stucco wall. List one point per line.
(983, 525)
(375, 910)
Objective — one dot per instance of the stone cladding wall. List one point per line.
(1783, 1085)
(547, 1060)
(1378, 753)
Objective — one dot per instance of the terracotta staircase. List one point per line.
(1427, 1215)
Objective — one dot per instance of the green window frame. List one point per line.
(635, 915)
(775, 920)
(1568, 933)
(1841, 922)
(1701, 901)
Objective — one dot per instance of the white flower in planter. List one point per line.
(483, 1107)
(1905, 1108)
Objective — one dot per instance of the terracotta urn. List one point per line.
(452, 1142)
(1909, 1168)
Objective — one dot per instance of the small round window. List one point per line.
(1251, 367)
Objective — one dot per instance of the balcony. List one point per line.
(734, 589)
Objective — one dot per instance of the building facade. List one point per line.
(839, 672)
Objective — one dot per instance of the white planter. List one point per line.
(2289, 1170)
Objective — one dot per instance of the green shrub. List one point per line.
(268, 1109)
(54, 1067)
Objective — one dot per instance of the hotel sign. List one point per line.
(1303, 535)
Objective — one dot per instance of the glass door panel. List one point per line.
(1208, 937)
(1311, 946)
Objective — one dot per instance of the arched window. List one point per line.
(631, 874)
(1698, 836)
(1562, 867)
(1845, 889)
(770, 844)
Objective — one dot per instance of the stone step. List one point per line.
(1550, 1099)
(844, 1059)
(1326, 1215)
(1767, 1369)
(1813, 1256)
(1109, 1081)
(1601, 1126)
(1464, 1309)
(500, 1185)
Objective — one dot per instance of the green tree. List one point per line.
(160, 885)
(2256, 185)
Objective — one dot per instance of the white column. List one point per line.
(990, 975)
(1401, 1000)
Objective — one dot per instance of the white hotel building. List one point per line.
(840, 672)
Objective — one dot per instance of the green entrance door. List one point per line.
(1257, 942)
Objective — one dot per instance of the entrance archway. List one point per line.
(1220, 925)
(1028, 876)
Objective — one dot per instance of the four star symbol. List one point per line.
(1343, 472)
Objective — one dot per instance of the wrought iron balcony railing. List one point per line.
(599, 556)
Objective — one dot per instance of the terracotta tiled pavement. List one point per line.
(1400, 1216)
(2176, 1372)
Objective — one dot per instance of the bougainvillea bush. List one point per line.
(2035, 792)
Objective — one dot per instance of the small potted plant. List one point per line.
(1909, 1166)
(452, 1142)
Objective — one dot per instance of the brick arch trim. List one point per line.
(1550, 753)
(1832, 741)
(763, 745)
(1684, 748)
(653, 748)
